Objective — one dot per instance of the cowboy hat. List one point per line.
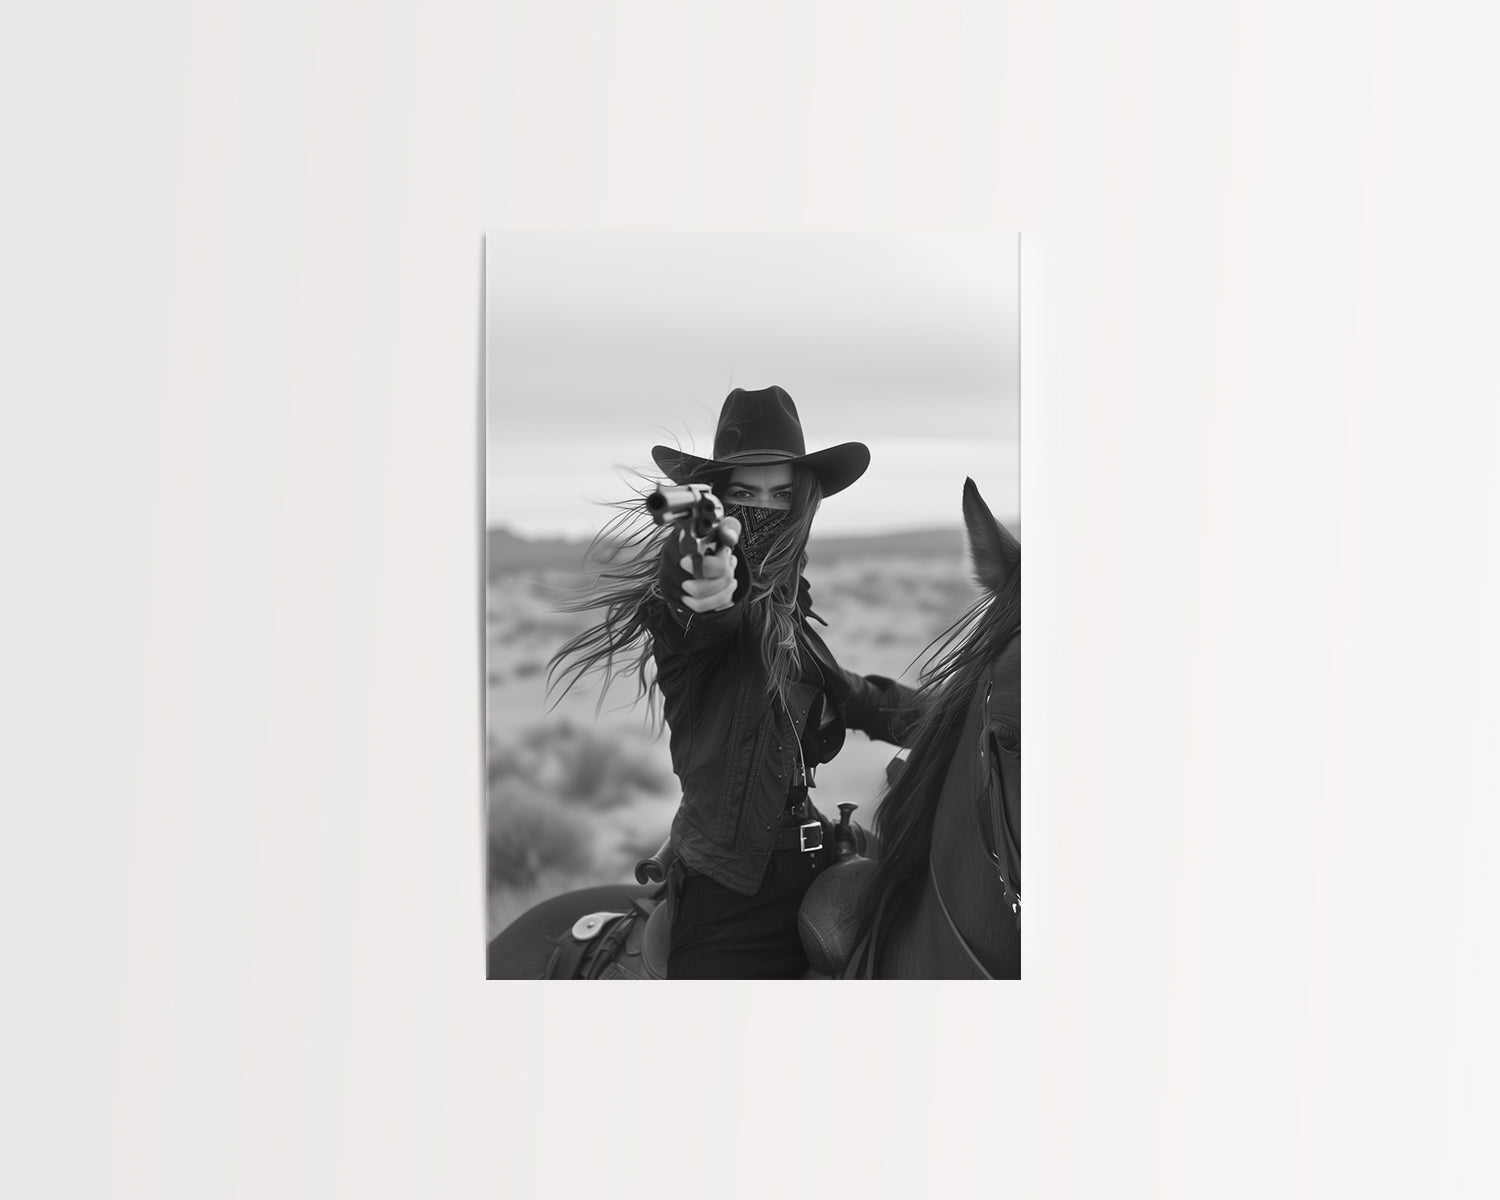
(760, 428)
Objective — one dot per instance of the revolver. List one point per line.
(694, 511)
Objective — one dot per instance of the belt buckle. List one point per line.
(802, 836)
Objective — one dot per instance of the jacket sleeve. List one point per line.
(679, 627)
(886, 710)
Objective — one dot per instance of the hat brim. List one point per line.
(836, 468)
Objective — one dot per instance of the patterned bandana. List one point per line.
(759, 527)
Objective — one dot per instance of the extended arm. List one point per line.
(886, 710)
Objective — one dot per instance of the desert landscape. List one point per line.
(577, 793)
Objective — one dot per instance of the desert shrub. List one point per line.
(636, 770)
(541, 735)
(528, 839)
(579, 766)
(503, 761)
(585, 768)
(601, 772)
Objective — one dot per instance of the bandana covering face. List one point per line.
(759, 527)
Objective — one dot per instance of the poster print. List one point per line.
(752, 605)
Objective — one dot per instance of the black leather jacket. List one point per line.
(734, 744)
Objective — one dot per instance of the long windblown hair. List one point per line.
(625, 585)
(957, 660)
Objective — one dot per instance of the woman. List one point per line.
(753, 698)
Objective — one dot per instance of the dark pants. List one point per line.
(719, 934)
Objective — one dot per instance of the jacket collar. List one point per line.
(804, 601)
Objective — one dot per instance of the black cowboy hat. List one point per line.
(760, 428)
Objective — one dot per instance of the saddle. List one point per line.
(623, 945)
(617, 945)
(830, 913)
(635, 943)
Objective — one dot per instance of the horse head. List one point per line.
(996, 555)
(945, 898)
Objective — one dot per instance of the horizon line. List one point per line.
(895, 532)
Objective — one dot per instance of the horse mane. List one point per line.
(956, 660)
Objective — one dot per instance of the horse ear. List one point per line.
(994, 549)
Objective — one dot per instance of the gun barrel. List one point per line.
(694, 511)
(679, 497)
(692, 503)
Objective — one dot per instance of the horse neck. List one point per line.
(921, 942)
(971, 891)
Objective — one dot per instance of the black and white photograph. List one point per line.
(752, 623)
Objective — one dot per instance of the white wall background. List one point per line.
(240, 476)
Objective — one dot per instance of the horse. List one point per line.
(951, 812)
(943, 900)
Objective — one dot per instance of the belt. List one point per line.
(805, 838)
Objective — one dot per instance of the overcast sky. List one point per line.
(599, 346)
